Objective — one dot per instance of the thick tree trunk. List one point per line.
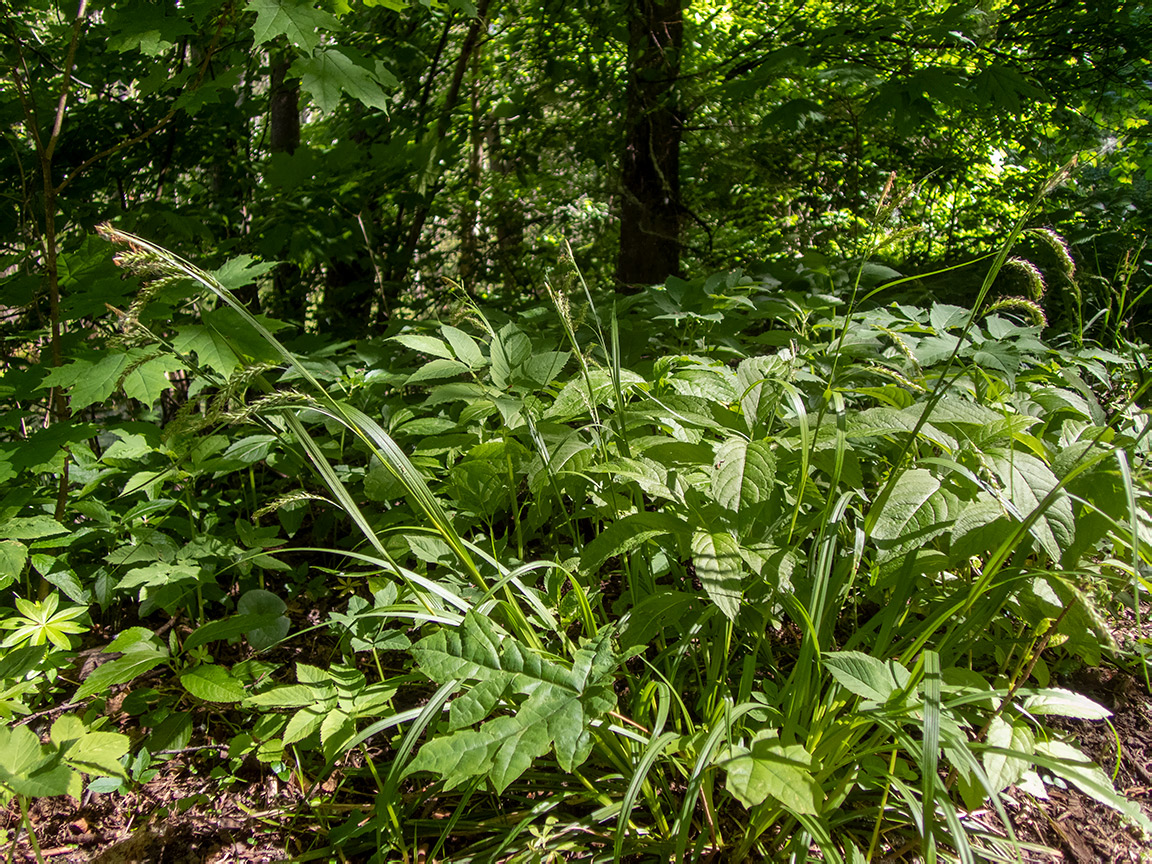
(650, 177)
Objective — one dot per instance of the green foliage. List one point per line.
(593, 549)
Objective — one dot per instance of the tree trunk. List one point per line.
(650, 201)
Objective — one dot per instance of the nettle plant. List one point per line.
(732, 565)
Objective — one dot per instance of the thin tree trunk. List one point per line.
(650, 208)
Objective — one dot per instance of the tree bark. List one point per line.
(650, 206)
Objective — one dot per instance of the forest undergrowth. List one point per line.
(753, 566)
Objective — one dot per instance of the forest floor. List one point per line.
(180, 816)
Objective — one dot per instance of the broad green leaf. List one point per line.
(1065, 703)
(865, 675)
(210, 347)
(981, 526)
(30, 528)
(719, 567)
(147, 381)
(99, 754)
(464, 346)
(228, 628)
(425, 344)
(212, 684)
(29, 768)
(560, 703)
(1026, 481)
(330, 72)
(744, 474)
(510, 348)
(241, 270)
(913, 515)
(1004, 770)
(771, 769)
(544, 367)
(88, 383)
(264, 605)
(1067, 762)
(139, 658)
(626, 534)
(436, 370)
(299, 20)
(302, 724)
(337, 730)
(295, 696)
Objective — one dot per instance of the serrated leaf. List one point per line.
(1027, 481)
(330, 72)
(436, 370)
(147, 381)
(561, 702)
(302, 724)
(298, 20)
(295, 696)
(91, 383)
(464, 346)
(864, 675)
(744, 474)
(212, 684)
(425, 345)
(914, 514)
(337, 730)
(30, 528)
(626, 534)
(719, 567)
(776, 770)
(140, 658)
(1065, 703)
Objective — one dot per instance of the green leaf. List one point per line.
(436, 370)
(241, 271)
(330, 72)
(914, 514)
(212, 684)
(719, 567)
(264, 605)
(772, 769)
(228, 628)
(1067, 762)
(147, 381)
(299, 20)
(99, 754)
(88, 383)
(303, 723)
(211, 348)
(30, 528)
(28, 768)
(139, 658)
(464, 346)
(628, 533)
(1004, 770)
(560, 703)
(1027, 480)
(510, 348)
(1065, 703)
(425, 345)
(866, 676)
(744, 474)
